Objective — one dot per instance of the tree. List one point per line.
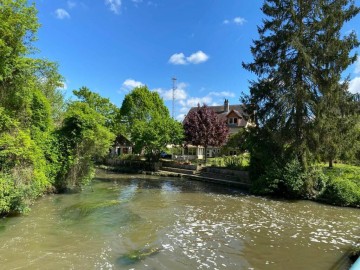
(287, 62)
(82, 138)
(203, 127)
(103, 106)
(141, 104)
(28, 86)
(153, 136)
(237, 141)
(149, 123)
(334, 111)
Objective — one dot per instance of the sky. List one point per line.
(112, 46)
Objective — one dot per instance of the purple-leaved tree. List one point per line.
(203, 127)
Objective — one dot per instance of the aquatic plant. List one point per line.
(137, 255)
(84, 209)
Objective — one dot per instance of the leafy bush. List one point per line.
(239, 162)
(342, 192)
(269, 182)
(294, 178)
(234, 162)
(343, 187)
(291, 181)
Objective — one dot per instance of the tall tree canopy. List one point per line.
(142, 104)
(149, 123)
(203, 127)
(299, 59)
(82, 137)
(28, 95)
(103, 106)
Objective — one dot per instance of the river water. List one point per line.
(142, 222)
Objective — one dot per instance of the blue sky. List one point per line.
(110, 46)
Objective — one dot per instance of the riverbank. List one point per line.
(341, 186)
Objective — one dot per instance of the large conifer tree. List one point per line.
(298, 58)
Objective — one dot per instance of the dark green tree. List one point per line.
(286, 60)
(335, 113)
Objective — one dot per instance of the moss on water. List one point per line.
(84, 209)
(137, 255)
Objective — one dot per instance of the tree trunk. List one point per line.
(330, 163)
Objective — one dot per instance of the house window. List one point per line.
(232, 153)
(192, 151)
(125, 150)
(232, 121)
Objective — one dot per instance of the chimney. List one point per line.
(226, 105)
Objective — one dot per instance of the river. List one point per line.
(142, 222)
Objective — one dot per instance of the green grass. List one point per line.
(343, 187)
(344, 171)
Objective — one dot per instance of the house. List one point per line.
(234, 116)
(121, 146)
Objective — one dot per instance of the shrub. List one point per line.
(234, 162)
(342, 192)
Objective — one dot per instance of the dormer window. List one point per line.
(232, 121)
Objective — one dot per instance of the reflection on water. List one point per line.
(138, 222)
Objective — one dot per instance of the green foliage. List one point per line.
(104, 107)
(154, 135)
(291, 181)
(301, 108)
(82, 137)
(239, 162)
(149, 123)
(141, 104)
(237, 141)
(344, 185)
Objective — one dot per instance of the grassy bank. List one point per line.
(343, 187)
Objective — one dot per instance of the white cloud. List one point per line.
(129, 84)
(62, 14)
(354, 85)
(177, 59)
(179, 93)
(222, 94)
(114, 5)
(137, 1)
(239, 20)
(236, 20)
(186, 105)
(195, 58)
(71, 4)
(194, 101)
